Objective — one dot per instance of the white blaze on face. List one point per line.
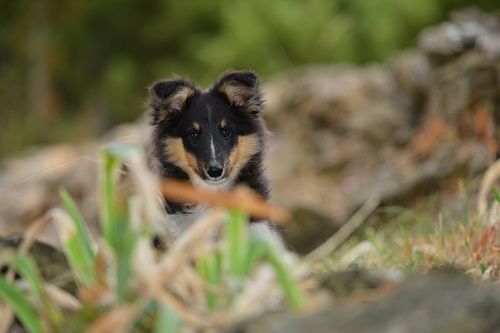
(212, 148)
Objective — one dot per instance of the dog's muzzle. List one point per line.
(214, 171)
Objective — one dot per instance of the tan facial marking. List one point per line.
(196, 126)
(247, 146)
(223, 123)
(177, 155)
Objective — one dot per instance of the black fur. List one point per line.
(242, 109)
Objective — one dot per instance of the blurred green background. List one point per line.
(72, 69)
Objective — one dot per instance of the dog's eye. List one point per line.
(194, 135)
(225, 132)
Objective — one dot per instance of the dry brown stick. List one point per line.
(180, 250)
(62, 298)
(240, 198)
(118, 319)
(37, 174)
(34, 230)
(345, 231)
(162, 295)
(487, 182)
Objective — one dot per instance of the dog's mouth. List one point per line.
(216, 182)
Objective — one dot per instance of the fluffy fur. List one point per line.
(214, 138)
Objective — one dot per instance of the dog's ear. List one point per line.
(167, 98)
(241, 88)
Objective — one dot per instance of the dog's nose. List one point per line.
(214, 171)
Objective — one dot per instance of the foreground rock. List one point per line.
(436, 302)
(53, 266)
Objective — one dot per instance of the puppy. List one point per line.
(214, 139)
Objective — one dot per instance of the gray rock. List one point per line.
(437, 302)
(52, 263)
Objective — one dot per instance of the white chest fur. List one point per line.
(182, 221)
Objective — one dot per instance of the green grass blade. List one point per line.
(24, 310)
(108, 196)
(26, 267)
(82, 264)
(167, 321)
(124, 251)
(257, 249)
(209, 268)
(81, 226)
(236, 236)
(113, 209)
(496, 194)
(29, 272)
(115, 217)
(289, 286)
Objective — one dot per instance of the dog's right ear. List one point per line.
(241, 89)
(167, 98)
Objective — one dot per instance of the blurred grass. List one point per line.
(121, 279)
(77, 242)
(17, 299)
(424, 238)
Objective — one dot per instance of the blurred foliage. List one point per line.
(69, 69)
(121, 270)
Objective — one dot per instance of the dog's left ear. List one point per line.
(167, 98)
(241, 88)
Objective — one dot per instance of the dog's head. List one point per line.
(210, 135)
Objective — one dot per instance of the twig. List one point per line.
(178, 306)
(39, 173)
(182, 248)
(487, 182)
(62, 298)
(239, 198)
(345, 231)
(117, 319)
